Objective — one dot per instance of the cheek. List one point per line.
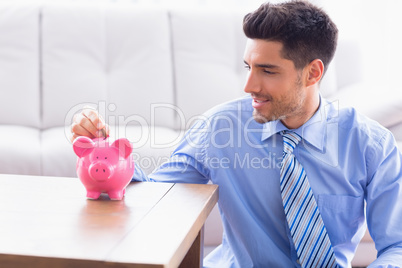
(291, 87)
(273, 86)
(281, 87)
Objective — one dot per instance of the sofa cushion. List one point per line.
(140, 63)
(104, 55)
(19, 65)
(379, 102)
(20, 150)
(208, 49)
(58, 157)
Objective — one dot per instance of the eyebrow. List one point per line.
(268, 66)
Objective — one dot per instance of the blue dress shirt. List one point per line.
(348, 158)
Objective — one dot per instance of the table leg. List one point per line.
(195, 254)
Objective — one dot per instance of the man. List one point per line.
(293, 171)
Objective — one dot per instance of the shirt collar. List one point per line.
(313, 131)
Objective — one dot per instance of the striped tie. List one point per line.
(305, 223)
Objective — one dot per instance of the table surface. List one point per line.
(49, 219)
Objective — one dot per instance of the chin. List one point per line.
(262, 119)
(259, 118)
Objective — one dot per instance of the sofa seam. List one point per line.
(173, 65)
(40, 73)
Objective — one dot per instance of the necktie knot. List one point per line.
(290, 140)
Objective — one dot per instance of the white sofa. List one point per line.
(150, 72)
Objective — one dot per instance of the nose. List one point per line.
(100, 171)
(252, 84)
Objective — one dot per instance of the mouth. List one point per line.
(259, 102)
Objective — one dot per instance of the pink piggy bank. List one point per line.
(103, 167)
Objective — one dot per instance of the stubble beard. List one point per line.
(262, 119)
(282, 108)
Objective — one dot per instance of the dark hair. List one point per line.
(306, 31)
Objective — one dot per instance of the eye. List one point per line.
(97, 157)
(105, 157)
(268, 72)
(247, 67)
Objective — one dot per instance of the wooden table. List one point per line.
(48, 222)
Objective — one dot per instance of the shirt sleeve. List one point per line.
(186, 164)
(384, 202)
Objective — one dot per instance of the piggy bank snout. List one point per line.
(100, 171)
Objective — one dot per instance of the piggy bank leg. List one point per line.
(116, 195)
(93, 194)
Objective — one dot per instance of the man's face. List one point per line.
(274, 83)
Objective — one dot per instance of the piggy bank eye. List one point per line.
(105, 157)
(97, 157)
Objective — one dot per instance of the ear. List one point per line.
(315, 71)
(83, 146)
(124, 146)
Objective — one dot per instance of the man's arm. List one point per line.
(186, 163)
(384, 202)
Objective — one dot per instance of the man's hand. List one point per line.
(90, 124)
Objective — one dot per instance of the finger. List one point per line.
(78, 130)
(94, 117)
(73, 137)
(83, 126)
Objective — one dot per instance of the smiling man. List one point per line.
(294, 171)
(276, 86)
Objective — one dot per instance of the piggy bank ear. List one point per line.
(83, 146)
(124, 146)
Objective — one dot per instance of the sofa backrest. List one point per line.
(208, 51)
(139, 66)
(19, 65)
(116, 57)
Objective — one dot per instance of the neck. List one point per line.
(310, 107)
